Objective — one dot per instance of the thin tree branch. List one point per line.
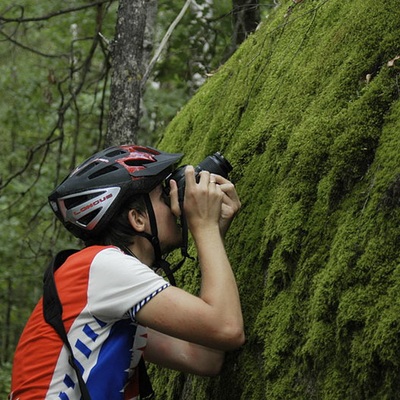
(29, 158)
(37, 52)
(56, 13)
(164, 42)
(61, 112)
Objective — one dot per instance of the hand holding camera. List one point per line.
(203, 200)
(212, 195)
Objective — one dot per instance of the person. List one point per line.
(117, 309)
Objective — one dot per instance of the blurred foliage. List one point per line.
(199, 45)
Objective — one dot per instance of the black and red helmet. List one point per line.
(91, 194)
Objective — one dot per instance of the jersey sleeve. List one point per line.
(119, 285)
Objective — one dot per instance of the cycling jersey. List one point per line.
(101, 290)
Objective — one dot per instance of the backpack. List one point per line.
(52, 312)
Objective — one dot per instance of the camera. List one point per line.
(216, 164)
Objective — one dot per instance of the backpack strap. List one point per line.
(52, 312)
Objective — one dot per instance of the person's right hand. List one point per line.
(202, 201)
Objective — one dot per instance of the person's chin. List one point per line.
(172, 246)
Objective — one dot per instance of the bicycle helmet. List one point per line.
(90, 195)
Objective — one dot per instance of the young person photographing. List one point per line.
(116, 309)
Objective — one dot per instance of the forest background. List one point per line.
(307, 111)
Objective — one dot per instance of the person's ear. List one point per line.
(137, 220)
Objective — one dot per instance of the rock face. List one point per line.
(307, 111)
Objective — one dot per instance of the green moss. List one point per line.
(307, 112)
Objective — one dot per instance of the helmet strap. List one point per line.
(153, 237)
(159, 261)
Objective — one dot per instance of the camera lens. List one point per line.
(216, 164)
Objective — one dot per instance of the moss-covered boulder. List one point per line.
(308, 113)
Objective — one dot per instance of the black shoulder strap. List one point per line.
(52, 311)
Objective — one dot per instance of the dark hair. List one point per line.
(119, 231)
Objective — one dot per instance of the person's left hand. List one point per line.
(230, 202)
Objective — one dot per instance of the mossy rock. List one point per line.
(307, 110)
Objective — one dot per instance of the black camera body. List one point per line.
(216, 164)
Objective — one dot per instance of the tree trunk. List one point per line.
(126, 55)
(148, 42)
(246, 17)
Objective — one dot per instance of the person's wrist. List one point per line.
(200, 231)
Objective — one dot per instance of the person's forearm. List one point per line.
(170, 352)
(218, 284)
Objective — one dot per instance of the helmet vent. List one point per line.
(76, 200)
(103, 171)
(87, 168)
(114, 153)
(137, 163)
(88, 217)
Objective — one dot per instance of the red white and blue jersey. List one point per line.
(101, 290)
